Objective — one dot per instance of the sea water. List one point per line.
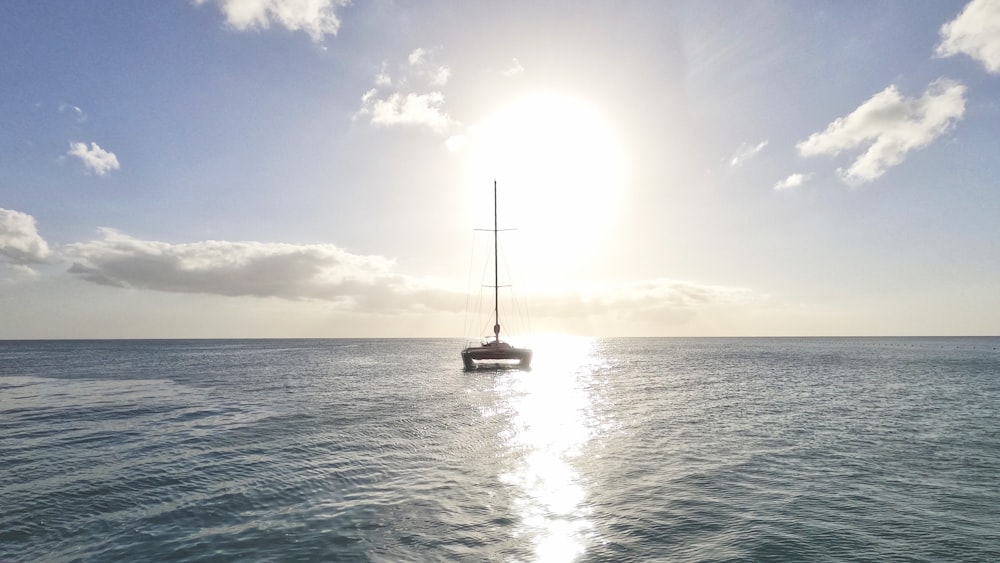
(842, 449)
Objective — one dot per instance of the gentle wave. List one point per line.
(608, 450)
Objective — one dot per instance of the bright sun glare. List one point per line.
(560, 171)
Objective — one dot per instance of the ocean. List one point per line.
(729, 449)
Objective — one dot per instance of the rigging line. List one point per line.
(468, 286)
(518, 300)
(474, 315)
(485, 320)
(527, 312)
(511, 321)
(516, 312)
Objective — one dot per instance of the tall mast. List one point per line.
(496, 269)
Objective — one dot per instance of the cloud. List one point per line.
(74, 110)
(383, 78)
(891, 126)
(423, 69)
(457, 142)
(976, 33)
(416, 99)
(410, 109)
(514, 69)
(95, 159)
(318, 18)
(20, 242)
(440, 76)
(661, 293)
(657, 300)
(793, 181)
(417, 56)
(351, 282)
(286, 271)
(746, 152)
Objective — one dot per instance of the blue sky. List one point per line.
(236, 168)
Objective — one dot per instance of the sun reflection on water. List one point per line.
(551, 422)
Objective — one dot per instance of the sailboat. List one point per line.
(495, 352)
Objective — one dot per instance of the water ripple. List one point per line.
(681, 450)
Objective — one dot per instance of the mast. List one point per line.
(496, 269)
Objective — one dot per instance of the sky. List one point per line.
(317, 168)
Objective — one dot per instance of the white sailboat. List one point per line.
(492, 352)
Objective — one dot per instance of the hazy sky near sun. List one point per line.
(238, 168)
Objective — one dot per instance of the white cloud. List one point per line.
(415, 101)
(891, 126)
(746, 152)
(316, 17)
(411, 109)
(20, 242)
(423, 69)
(95, 159)
(792, 181)
(456, 143)
(976, 33)
(383, 78)
(417, 56)
(514, 69)
(439, 76)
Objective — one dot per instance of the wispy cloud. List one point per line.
(318, 18)
(457, 142)
(891, 126)
(75, 111)
(413, 98)
(421, 66)
(94, 158)
(659, 301)
(976, 33)
(792, 181)
(514, 69)
(745, 152)
(20, 242)
(383, 78)
(416, 56)
(660, 293)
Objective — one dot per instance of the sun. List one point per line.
(560, 172)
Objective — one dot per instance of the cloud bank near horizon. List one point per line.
(352, 282)
(257, 269)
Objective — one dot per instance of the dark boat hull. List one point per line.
(492, 356)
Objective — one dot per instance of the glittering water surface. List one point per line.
(607, 450)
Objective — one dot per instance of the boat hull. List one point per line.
(490, 356)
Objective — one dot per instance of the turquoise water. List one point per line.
(608, 450)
